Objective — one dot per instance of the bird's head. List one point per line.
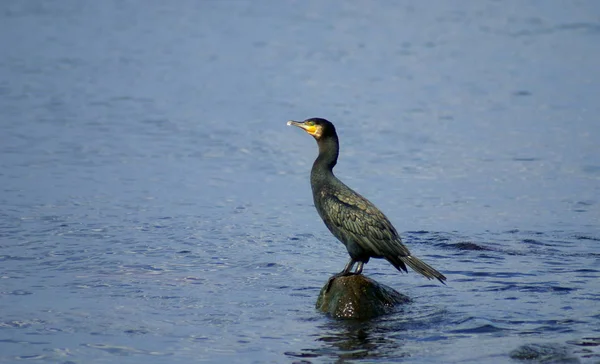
(317, 127)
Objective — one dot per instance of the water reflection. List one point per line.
(345, 340)
(384, 337)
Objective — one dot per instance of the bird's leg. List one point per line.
(359, 268)
(346, 272)
(348, 268)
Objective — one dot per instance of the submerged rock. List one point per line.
(544, 353)
(357, 297)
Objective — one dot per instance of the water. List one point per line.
(156, 208)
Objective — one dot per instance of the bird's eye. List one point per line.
(310, 123)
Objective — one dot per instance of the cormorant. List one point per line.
(352, 219)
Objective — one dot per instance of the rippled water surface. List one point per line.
(156, 208)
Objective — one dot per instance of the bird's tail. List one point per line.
(425, 269)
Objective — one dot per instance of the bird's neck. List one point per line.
(327, 159)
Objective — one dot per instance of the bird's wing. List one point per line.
(362, 221)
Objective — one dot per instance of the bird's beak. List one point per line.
(309, 129)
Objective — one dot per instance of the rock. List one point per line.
(357, 297)
(544, 353)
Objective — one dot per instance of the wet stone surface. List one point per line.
(357, 297)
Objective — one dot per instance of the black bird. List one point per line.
(355, 221)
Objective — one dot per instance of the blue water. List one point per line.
(156, 208)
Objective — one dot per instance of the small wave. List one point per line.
(529, 288)
(590, 28)
(483, 329)
(495, 275)
(534, 242)
(301, 354)
(469, 246)
(123, 350)
(586, 341)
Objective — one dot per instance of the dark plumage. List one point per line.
(355, 221)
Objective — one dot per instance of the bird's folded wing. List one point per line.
(361, 220)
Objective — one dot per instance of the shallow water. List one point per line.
(155, 207)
